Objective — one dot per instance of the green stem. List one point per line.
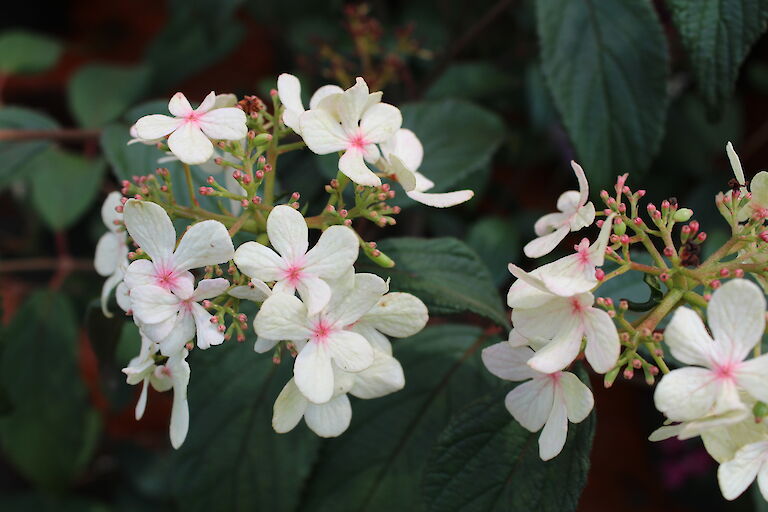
(190, 186)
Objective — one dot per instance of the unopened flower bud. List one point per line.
(682, 215)
(669, 252)
(738, 272)
(599, 274)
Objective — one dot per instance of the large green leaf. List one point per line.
(717, 34)
(473, 81)
(497, 241)
(17, 158)
(232, 460)
(377, 464)
(64, 186)
(459, 139)
(605, 62)
(99, 93)
(485, 461)
(126, 161)
(26, 52)
(51, 432)
(443, 272)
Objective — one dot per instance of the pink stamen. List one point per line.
(357, 142)
(321, 331)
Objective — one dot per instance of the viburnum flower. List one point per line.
(191, 130)
(326, 334)
(758, 202)
(575, 213)
(396, 314)
(401, 156)
(352, 122)
(563, 322)
(111, 258)
(292, 267)
(706, 395)
(173, 318)
(173, 374)
(332, 418)
(548, 400)
(567, 276)
(205, 243)
(289, 91)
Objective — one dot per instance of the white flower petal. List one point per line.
(530, 403)
(180, 409)
(552, 438)
(334, 253)
(347, 306)
(688, 339)
(578, 397)
(210, 288)
(322, 132)
(603, 345)
(686, 394)
(258, 261)
(313, 372)
(190, 144)
(543, 245)
(288, 232)
(736, 475)
(314, 292)
(561, 351)
(353, 166)
(322, 93)
(139, 273)
(380, 122)
(752, 375)
(442, 200)
(182, 332)
(108, 254)
(264, 345)
(107, 288)
(509, 363)
(736, 316)
(152, 304)
(123, 299)
(350, 351)
(738, 172)
(408, 149)
(141, 405)
(224, 124)
(179, 105)
(398, 314)
(151, 228)
(289, 408)
(156, 126)
(402, 174)
(108, 213)
(330, 419)
(289, 91)
(351, 105)
(377, 340)
(383, 377)
(256, 291)
(207, 333)
(282, 317)
(665, 432)
(583, 184)
(205, 243)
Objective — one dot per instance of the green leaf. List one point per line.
(65, 186)
(17, 158)
(459, 139)
(231, 459)
(472, 81)
(51, 433)
(717, 35)
(377, 464)
(127, 161)
(606, 65)
(485, 461)
(443, 272)
(497, 241)
(27, 52)
(100, 93)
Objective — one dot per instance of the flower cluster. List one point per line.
(721, 394)
(185, 290)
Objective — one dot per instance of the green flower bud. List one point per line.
(760, 410)
(620, 228)
(682, 215)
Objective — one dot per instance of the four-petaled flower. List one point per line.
(353, 122)
(191, 130)
(548, 400)
(111, 257)
(294, 268)
(575, 213)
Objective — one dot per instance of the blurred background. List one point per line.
(502, 99)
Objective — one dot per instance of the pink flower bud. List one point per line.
(599, 274)
(210, 180)
(330, 208)
(259, 175)
(348, 222)
(624, 239)
(267, 168)
(247, 179)
(651, 208)
(244, 203)
(638, 221)
(599, 223)
(715, 284)
(738, 273)
(343, 213)
(724, 272)
(256, 200)
(237, 175)
(295, 196)
(607, 211)
(628, 374)
(664, 277)
(701, 236)
(669, 252)
(385, 187)
(214, 320)
(640, 193)
(221, 328)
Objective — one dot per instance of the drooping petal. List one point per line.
(583, 183)
(509, 363)
(322, 132)
(263, 345)
(289, 91)
(686, 394)
(108, 253)
(383, 377)
(330, 419)
(347, 306)
(107, 288)
(737, 474)
(736, 316)
(603, 345)
(398, 314)
(224, 124)
(122, 297)
(207, 333)
(205, 243)
(550, 222)
(423, 183)
(179, 105)
(151, 228)
(289, 408)
(752, 375)
(190, 144)
(108, 213)
(665, 432)
(552, 438)
(380, 122)
(259, 262)
(313, 372)
(152, 304)
(543, 245)
(759, 189)
(530, 403)
(688, 339)
(141, 404)
(738, 172)
(408, 149)
(561, 351)
(210, 288)
(322, 93)
(282, 317)
(156, 126)
(256, 291)
(182, 332)
(352, 165)
(334, 253)
(314, 292)
(224, 100)
(402, 174)
(441, 200)
(723, 443)
(578, 397)
(350, 351)
(288, 232)
(545, 320)
(583, 217)
(180, 408)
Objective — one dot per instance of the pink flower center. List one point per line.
(166, 277)
(725, 371)
(357, 142)
(293, 273)
(554, 377)
(576, 305)
(321, 331)
(193, 118)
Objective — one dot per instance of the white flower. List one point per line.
(352, 122)
(289, 90)
(565, 277)
(173, 374)
(706, 395)
(563, 322)
(111, 257)
(332, 418)
(401, 157)
(292, 266)
(327, 334)
(396, 314)
(205, 243)
(256, 291)
(191, 130)
(547, 400)
(575, 213)
(173, 318)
